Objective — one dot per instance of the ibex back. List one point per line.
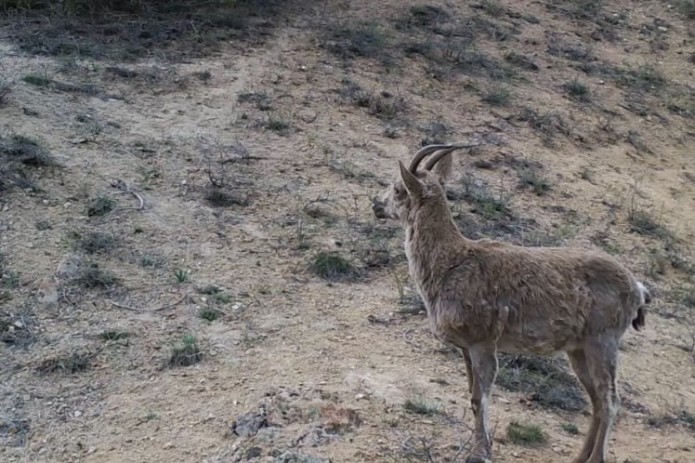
(487, 296)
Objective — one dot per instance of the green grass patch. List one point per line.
(577, 91)
(547, 380)
(185, 353)
(527, 435)
(209, 314)
(420, 406)
(333, 267)
(570, 428)
(37, 80)
(100, 206)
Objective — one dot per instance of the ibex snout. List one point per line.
(379, 208)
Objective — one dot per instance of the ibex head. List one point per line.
(412, 187)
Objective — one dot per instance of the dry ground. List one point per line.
(191, 271)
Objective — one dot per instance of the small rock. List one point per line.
(168, 445)
(253, 452)
(77, 414)
(359, 396)
(250, 423)
(308, 116)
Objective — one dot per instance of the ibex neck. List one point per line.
(433, 243)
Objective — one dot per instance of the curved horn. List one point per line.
(431, 162)
(424, 151)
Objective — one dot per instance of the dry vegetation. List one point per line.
(189, 267)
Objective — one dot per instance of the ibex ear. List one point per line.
(443, 168)
(412, 184)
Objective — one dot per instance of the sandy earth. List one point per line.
(332, 364)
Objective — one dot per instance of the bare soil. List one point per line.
(160, 298)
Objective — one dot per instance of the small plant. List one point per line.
(548, 124)
(525, 434)
(43, 225)
(497, 96)
(682, 417)
(642, 223)
(92, 277)
(262, 101)
(644, 78)
(114, 335)
(218, 197)
(547, 380)
(277, 124)
(531, 177)
(333, 267)
(26, 151)
(209, 314)
(37, 80)
(5, 89)
(587, 174)
(420, 406)
(577, 91)
(687, 8)
(493, 8)
(210, 290)
(147, 261)
(361, 41)
(485, 202)
(100, 206)
(9, 280)
(186, 353)
(427, 15)
(570, 428)
(521, 61)
(216, 293)
(686, 296)
(181, 275)
(222, 298)
(74, 363)
(95, 242)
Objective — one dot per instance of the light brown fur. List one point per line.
(487, 296)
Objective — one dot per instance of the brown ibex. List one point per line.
(487, 296)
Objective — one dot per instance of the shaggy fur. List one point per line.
(487, 296)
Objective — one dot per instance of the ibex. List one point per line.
(486, 296)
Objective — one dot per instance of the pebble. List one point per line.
(77, 414)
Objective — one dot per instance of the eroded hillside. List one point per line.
(190, 267)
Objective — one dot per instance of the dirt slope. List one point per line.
(196, 197)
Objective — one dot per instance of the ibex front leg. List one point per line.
(469, 369)
(484, 369)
